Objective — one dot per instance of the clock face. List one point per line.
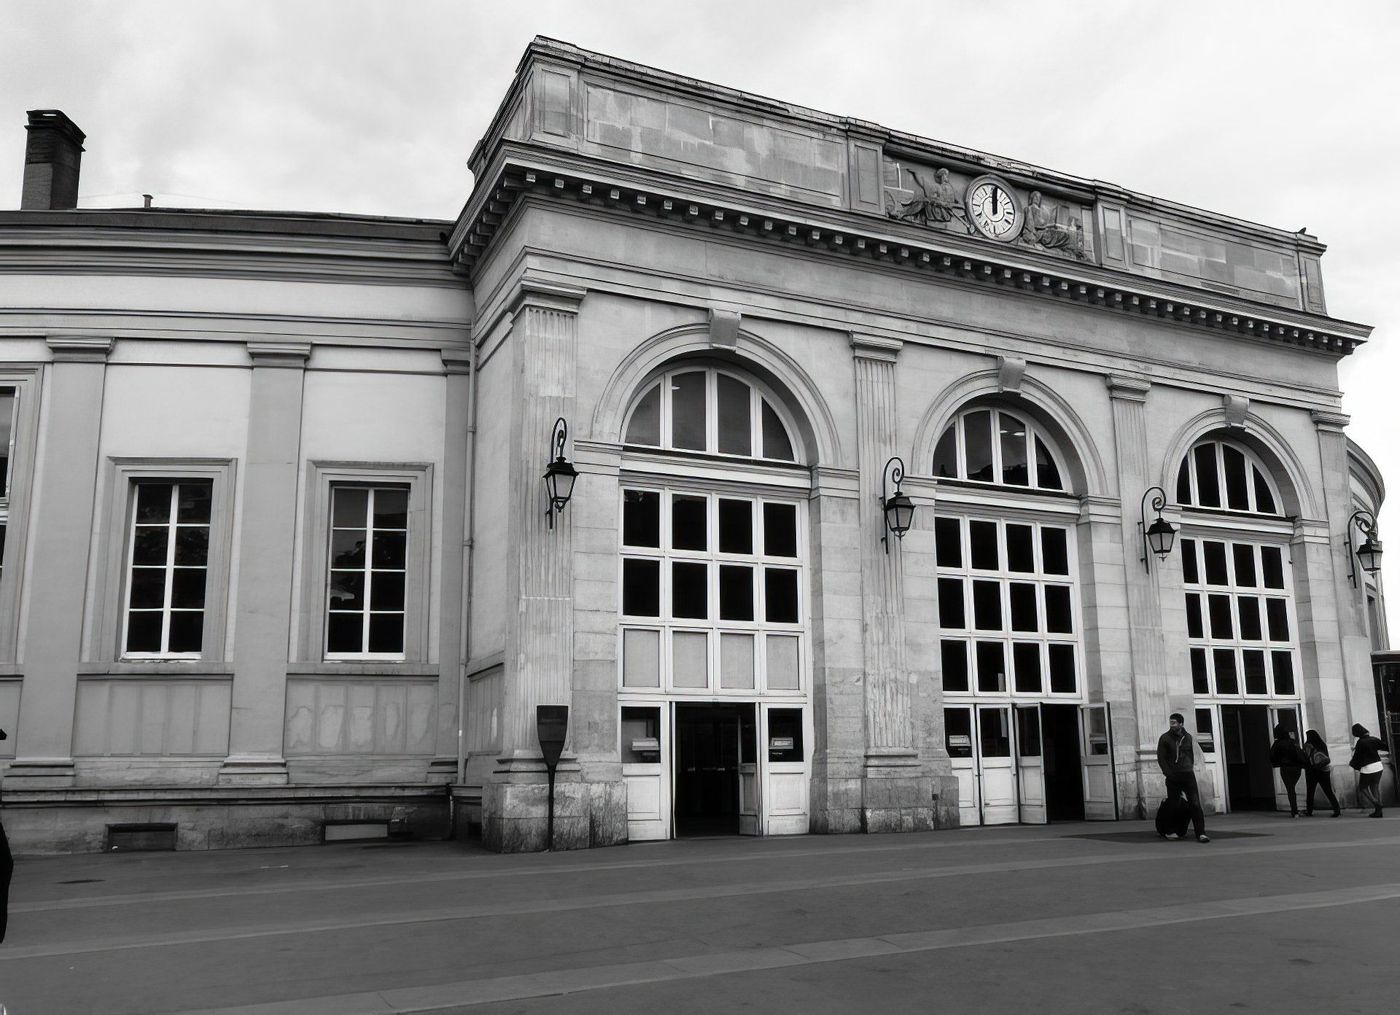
(993, 209)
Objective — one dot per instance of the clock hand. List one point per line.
(994, 200)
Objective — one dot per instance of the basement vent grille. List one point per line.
(140, 838)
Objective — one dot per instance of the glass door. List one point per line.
(1286, 716)
(1030, 765)
(750, 822)
(1096, 752)
(997, 766)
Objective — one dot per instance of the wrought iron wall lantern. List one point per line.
(898, 508)
(1161, 534)
(1369, 552)
(559, 476)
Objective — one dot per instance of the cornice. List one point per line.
(840, 233)
(283, 355)
(875, 347)
(79, 348)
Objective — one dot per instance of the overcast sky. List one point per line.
(1278, 112)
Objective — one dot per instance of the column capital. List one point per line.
(1330, 420)
(456, 361)
(1128, 388)
(542, 295)
(286, 355)
(873, 347)
(79, 348)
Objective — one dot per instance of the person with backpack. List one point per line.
(1176, 757)
(1366, 759)
(1319, 772)
(1289, 759)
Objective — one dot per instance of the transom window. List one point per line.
(1216, 474)
(1239, 618)
(996, 446)
(167, 569)
(1006, 607)
(368, 568)
(712, 592)
(712, 411)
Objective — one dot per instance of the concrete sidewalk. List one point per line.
(1276, 914)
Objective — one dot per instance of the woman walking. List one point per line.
(1289, 759)
(1319, 772)
(1366, 759)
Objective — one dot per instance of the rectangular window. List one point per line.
(367, 571)
(167, 568)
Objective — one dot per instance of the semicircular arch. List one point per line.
(1274, 451)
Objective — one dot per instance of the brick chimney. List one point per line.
(51, 159)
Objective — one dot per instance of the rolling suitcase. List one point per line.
(1173, 817)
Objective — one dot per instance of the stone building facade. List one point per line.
(280, 559)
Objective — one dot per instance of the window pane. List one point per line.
(153, 502)
(957, 728)
(1227, 681)
(735, 526)
(1205, 733)
(1027, 660)
(387, 590)
(983, 540)
(1054, 548)
(688, 523)
(1023, 607)
(1251, 628)
(193, 502)
(386, 632)
(148, 544)
(945, 455)
(7, 415)
(1063, 677)
(1273, 566)
(187, 588)
(186, 630)
(641, 518)
(780, 530)
(641, 666)
(1221, 623)
(1256, 681)
(1014, 471)
(1200, 678)
(783, 673)
(785, 723)
(1047, 474)
(735, 416)
(776, 442)
(1283, 673)
(1028, 730)
(347, 548)
(689, 592)
(688, 410)
(1189, 575)
(1183, 483)
(1263, 499)
(1216, 572)
(947, 536)
(986, 605)
(147, 588)
(1236, 492)
(345, 632)
(192, 546)
(1207, 477)
(1058, 616)
(1020, 548)
(143, 631)
(645, 425)
(1245, 577)
(1194, 627)
(736, 661)
(951, 610)
(955, 666)
(349, 507)
(780, 592)
(690, 659)
(641, 588)
(1278, 619)
(391, 507)
(977, 444)
(390, 549)
(991, 666)
(735, 592)
(995, 732)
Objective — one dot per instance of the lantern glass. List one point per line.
(559, 481)
(899, 513)
(1370, 555)
(1160, 536)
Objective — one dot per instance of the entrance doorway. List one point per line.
(1064, 785)
(1245, 737)
(716, 770)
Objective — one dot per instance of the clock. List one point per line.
(993, 209)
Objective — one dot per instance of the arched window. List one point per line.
(1217, 474)
(712, 411)
(990, 445)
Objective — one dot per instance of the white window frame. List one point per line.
(759, 394)
(1033, 432)
(1256, 468)
(168, 568)
(105, 639)
(14, 515)
(315, 575)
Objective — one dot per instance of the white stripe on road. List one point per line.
(464, 993)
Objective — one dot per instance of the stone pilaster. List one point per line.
(263, 598)
(539, 649)
(897, 792)
(66, 480)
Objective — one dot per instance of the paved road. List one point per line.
(1275, 915)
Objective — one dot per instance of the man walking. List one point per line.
(1176, 757)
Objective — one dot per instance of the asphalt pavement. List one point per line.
(1274, 915)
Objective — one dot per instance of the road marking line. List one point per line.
(410, 1000)
(1154, 851)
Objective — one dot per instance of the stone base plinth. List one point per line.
(897, 796)
(837, 795)
(515, 809)
(239, 770)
